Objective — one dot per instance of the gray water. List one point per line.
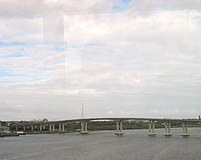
(103, 145)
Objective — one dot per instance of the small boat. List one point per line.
(20, 133)
(8, 134)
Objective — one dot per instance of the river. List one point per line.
(103, 145)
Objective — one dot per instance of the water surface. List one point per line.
(103, 145)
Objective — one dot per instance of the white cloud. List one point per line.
(117, 64)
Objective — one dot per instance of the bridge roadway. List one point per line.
(119, 125)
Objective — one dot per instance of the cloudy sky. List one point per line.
(120, 58)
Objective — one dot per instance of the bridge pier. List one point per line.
(45, 127)
(184, 129)
(167, 129)
(151, 128)
(51, 127)
(24, 128)
(42, 127)
(61, 127)
(119, 128)
(84, 127)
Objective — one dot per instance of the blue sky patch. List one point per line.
(4, 73)
(13, 74)
(121, 4)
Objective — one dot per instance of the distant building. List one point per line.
(4, 129)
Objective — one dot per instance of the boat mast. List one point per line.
(82, 114)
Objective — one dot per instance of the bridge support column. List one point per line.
(41, 127)
(51, 127)
(151, 128)
(24, 128)
(84, 128)
(44, 126)
(167, 129)
(185, 129)
(119, 128)
(61, 127)
(32, 128)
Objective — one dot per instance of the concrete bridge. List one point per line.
(61, 125)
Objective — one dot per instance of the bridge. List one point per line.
(62, 124)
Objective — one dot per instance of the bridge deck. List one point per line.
(110, 119)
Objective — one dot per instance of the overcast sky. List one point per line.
(120, 58)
